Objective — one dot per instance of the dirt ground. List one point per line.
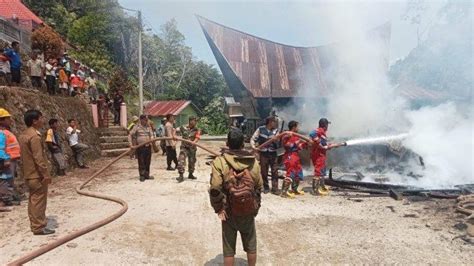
(173, 224)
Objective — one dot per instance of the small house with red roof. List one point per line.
(182, 109)
(15, 11)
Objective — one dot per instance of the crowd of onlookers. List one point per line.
(61, 76)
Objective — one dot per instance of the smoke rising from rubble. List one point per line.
(362, 103)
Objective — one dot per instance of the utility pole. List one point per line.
(140, 64)
(140, 59)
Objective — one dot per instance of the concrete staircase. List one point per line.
(113, 141)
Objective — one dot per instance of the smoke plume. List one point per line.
(364, 103)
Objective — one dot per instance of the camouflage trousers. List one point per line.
(190, 154)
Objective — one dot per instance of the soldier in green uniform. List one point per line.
(192, 133)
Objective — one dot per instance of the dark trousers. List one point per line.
(171, 156)
(268, 160)
(51, 84)
(116, 116)
(144, 160)
(78, 151)
(35, 82)
(16, 75)
(163, 146)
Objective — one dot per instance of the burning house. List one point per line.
(263, 74)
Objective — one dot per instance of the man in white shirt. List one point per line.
(78, 149)
(35, 68)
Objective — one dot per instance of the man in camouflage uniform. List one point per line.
(192, 133)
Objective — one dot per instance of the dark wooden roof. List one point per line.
(266, 68)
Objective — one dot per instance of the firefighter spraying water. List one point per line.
(318, 156)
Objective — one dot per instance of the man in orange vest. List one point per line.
(12, 147)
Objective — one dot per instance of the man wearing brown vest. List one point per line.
(35, 172)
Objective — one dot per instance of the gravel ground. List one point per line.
(173, 224)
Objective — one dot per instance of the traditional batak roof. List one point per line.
(269, 69)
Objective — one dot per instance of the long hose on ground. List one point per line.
(62, 240)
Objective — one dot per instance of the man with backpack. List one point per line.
(235, 194)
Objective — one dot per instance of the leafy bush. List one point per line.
(214, 121)
(47, 40)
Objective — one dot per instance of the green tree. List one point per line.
(214, 121)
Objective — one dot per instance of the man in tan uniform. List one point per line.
(236, 161)
(140, 134)
(35, 172)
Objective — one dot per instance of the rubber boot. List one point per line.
(315, 188)
(295, 188)
(191, 176)
(323, 190)
(284, 190)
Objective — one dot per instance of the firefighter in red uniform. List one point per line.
(318, 156)
(292, 162)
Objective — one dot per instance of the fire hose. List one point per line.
(466, 205)
(278, 136)
(305, 138)
(82, 231)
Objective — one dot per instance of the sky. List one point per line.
(297, 23)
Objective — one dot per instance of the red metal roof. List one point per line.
(10, 9)
(268, 68)
(162, 108)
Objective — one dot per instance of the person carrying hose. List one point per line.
(140, 134)
(192, 133)
(268, 154)
(294, 171)
(318, 156)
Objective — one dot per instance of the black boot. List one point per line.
(275, 189)
(180, 178)
(266, 188)
(191, 176)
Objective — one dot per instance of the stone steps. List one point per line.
(114, 139)
(113, 152)
(113, 146)
(112, 133)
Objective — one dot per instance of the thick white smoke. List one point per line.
(363, 103)
(444, 138)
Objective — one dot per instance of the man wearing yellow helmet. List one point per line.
(6, 192)
(12, 147)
